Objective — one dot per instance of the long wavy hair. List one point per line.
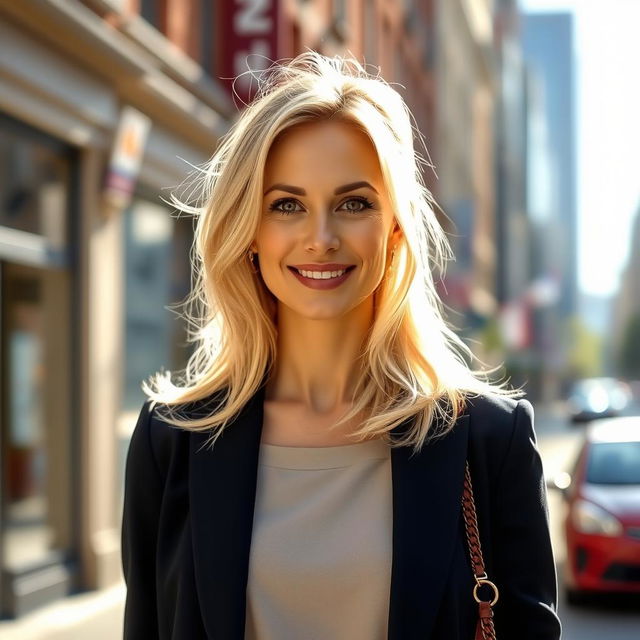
(413, 365)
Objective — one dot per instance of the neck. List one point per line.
(318, 360)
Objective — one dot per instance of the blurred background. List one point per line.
(530, 113)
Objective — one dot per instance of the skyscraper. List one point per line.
(548, 46)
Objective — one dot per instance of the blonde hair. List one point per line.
(413, 363)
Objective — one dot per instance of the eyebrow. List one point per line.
(301, 192)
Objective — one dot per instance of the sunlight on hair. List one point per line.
(414, 366)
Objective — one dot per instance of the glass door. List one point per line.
(37, 461)
(36, 503)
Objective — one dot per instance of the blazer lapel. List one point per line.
(427, 490)
(222, 491)
(427, 493)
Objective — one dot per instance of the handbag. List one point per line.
(485, 628)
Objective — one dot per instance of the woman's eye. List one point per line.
(285, 205)
(289, 205)
(357, 204)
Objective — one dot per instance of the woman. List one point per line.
(303, 478)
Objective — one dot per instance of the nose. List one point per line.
(321, 235)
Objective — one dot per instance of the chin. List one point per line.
(319, 313)
(327, 310)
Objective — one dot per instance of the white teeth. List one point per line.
(321, 275)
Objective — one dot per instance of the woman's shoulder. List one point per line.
(156, 431)
(499, 416)
(495, 405)
(501, 429)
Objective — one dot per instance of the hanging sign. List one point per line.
(248, 35)
(126, 157)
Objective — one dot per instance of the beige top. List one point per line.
(320, 560)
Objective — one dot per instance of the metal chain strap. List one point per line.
(485, 629)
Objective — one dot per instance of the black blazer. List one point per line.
(188, 514)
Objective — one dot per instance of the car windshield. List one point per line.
(614, 463)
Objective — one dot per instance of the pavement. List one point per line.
(96, 614)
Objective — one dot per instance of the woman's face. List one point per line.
(327, 227)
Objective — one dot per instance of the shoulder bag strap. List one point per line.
(484, 629)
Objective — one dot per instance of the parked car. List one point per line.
(594, 398)
(602, 525)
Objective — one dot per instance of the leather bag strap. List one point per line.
(485, 628)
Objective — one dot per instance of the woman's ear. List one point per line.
(396, 234)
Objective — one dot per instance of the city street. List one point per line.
(143, 143)
(605, 618)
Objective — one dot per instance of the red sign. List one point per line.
(248, 40)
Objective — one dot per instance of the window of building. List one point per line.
(37, 540)
(207, 36)
(153, 12)
(340, 14)
(156, 276)
(34, 181)
(370, 32)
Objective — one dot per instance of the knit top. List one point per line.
(321, 546)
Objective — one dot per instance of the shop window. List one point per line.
(36, 447)
(156, 276)
(340, 10)
(38, 544)
(153, 12)
(370, 32)
(34, 181)
(207, 37)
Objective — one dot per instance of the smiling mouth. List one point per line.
(321, 275)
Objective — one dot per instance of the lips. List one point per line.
(323, 283)
(325, 266)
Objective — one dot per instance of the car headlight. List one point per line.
(590, 518)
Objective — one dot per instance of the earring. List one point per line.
(252, 260)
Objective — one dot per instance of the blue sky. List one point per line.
(608, 120)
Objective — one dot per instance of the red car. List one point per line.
(602, 526)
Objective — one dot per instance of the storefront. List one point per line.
(85, 288)
(38, 198)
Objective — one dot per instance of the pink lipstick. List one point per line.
(322, 283)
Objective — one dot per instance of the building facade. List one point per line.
(623, 327)
(84, 282)
(548, 46)
(467, 84)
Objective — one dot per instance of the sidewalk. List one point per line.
(95, 614)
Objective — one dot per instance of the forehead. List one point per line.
(325, 149)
